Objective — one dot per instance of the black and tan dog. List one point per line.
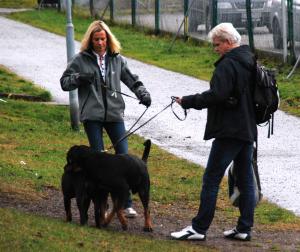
(115, 174)
(74, 184)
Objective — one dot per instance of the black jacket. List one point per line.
(232, 78)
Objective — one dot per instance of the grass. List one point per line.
(11, 83)
(24, 232)
(34, 138)
(18, 3)
(190, 58)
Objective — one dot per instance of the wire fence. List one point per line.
(267, 25)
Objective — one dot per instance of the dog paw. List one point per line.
(148, 229)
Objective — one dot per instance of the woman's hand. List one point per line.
(85, 78)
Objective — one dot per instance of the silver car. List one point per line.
(233, 11)
(277, 23)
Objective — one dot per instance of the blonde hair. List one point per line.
(225, 31)
(113, 43)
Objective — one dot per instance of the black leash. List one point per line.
(114, 90)
(119, 92)
(173, 98)
(185, 112)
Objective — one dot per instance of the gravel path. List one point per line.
(41, 57)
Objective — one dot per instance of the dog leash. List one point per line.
(173, 99)
(114, 90)
(119, 92)
(185, 111)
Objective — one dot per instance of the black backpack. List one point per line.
(265, 95)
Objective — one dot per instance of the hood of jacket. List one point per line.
(242, 54)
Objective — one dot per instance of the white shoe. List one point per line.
(188, 233)
(234, 234)
(130, 212)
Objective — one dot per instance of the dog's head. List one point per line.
(75, 158)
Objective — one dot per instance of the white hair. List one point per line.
(225, 31)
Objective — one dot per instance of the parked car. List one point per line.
(233, 11)
(277, 22)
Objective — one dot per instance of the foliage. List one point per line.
(11, 84)
(18, 3)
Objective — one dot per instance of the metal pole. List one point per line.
(214, 13)
(73, 95)
(284, 31)
(112, 10)
(186, 16)
(133, 12)
(157, 14)
(291, 32)
(175, 36)
(249, 24)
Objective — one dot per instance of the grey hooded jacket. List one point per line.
(97, 99)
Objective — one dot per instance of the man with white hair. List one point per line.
(231, 122)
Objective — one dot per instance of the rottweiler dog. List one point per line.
(74, 184)
(115, 174)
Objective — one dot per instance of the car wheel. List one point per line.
(277, 35)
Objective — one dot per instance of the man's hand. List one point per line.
(178, 100)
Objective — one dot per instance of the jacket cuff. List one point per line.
(187, 101)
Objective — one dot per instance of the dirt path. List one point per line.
(165, 220)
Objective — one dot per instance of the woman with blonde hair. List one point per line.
(96, 71)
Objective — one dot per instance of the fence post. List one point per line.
(186, 18)
(133, 12)
(284, 31)
(249, 24)
(112, 10)
(157, 15)
(291, 43)
(214, 13)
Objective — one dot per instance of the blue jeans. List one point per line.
(115, 131)
(222, 152)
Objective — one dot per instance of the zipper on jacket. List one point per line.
(103, 90)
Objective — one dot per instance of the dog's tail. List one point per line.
(147, 145)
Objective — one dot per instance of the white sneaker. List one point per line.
(130, 212)
(234, 234)
(188, 233)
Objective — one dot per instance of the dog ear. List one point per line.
(72, 159)
(72, 168)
